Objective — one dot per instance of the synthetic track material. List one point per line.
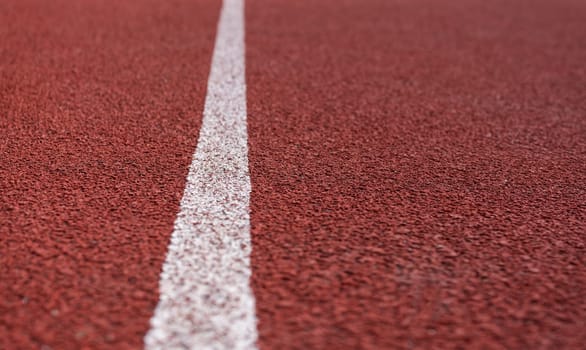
(206, 300)
(417, 169)
(418, 172)
(100, 108)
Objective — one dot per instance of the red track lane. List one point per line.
(418, 172)
(100, 106)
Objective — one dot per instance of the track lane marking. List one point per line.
(205, 298)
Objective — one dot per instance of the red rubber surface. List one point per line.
(418, 172)
(100, 106)
(418, 169)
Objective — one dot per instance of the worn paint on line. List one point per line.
(205, 298)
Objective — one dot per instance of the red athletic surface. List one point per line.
(100, 106)
(418, 172)
(418, 169)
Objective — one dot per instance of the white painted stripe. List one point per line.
(205, 298)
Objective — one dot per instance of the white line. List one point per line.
(205, 298)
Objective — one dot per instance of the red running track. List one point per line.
(418, 169)
(419, 173)
(100, 105)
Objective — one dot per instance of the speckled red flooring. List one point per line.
(419, 173)
(100, 105)
(418, 169)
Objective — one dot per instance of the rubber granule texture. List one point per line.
(100, 106)
(418, 172)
